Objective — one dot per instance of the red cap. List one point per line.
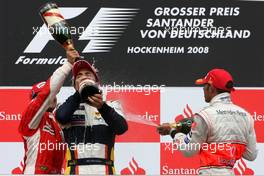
(83, 64)
(36, 88)
(218, 78)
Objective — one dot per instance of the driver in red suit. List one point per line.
(42, 136)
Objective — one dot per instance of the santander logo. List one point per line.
(187, 113)
(19, 169)
(242, 169)
(133, 169)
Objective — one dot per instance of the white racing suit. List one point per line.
(222, 133)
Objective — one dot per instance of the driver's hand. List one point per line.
(164, 129)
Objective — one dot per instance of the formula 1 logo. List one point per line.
(102, 33)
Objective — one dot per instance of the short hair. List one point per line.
(229, 85)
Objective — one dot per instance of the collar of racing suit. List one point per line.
(222, 97)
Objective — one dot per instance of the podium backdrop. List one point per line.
(164, 45)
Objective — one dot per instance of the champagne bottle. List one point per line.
(183, 126)
(56, 24)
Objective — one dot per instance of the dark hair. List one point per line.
(229, 85)
(33, 95)
(219, 91)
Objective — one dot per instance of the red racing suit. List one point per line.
(222, 133)
(42, 136)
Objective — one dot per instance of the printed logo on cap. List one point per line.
(40, 85)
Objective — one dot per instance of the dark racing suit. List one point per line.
(90, 134)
